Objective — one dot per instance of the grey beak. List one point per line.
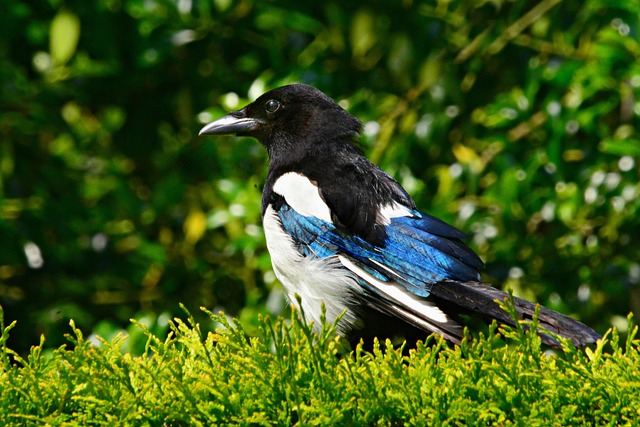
(233, 123)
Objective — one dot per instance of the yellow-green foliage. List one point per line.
(287, 375)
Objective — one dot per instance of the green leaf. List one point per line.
(63, 36)
(626, 147)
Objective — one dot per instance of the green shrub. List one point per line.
(288, 375)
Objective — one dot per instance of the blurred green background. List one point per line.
(517, 121)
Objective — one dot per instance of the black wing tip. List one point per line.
(480, 299)
(564, 326)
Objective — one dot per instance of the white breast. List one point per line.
(315, 280)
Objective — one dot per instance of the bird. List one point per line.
(346, 239)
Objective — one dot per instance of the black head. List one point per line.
(289, 116)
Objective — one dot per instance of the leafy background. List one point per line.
(514, 120)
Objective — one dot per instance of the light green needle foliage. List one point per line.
(289, 375)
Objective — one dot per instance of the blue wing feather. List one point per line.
(454, 259)
(419, 250)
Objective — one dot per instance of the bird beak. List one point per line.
(233, 123)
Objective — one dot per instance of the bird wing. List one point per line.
(418, 251)
(398, 270)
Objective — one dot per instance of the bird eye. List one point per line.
(272, 106)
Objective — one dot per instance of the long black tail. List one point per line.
(479, 299)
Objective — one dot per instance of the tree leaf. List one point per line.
(64, 34)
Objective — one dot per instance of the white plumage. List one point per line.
(399, 294)
(315, 280)
(302, 195)
(393, 210)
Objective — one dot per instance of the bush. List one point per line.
(288, 375)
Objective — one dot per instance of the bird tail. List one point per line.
(480, 299)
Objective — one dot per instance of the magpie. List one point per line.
(343, 233)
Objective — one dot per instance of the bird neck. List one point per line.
(292, 153)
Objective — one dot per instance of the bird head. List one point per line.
(289, 117)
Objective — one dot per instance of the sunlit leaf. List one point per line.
(195, 226)
(63, 36)
(363, 33)
(625, 147)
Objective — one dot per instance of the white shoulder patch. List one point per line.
(392, 210)
(302, 195)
